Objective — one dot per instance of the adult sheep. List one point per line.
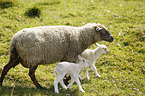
(49, 44)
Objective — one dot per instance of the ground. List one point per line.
(122, 70)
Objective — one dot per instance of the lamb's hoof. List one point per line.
(98, 75)
(82, 90)
(87, 78)
(65, 88)
(56, 92)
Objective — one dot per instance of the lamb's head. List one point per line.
(104, 33)
(103, 49)
(83, 61)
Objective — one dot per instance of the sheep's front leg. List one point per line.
(87, 73)
(32, 76)
(95, 70)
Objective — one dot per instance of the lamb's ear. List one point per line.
(98, 24)
(97, 44)
(81, 58)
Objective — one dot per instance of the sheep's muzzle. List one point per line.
(110, 38)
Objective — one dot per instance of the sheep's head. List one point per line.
(104, 48)
(104, 33)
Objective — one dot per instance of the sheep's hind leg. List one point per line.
(12, 63)
(32, 76)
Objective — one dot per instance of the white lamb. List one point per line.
(92, 56)
(73, 69)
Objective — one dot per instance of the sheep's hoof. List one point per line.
(42, 88)
(0, 84)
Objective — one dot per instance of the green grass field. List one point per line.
(122, 70)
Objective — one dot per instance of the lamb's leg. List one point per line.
(32, 76)
(12, 63)
(87, 73)
(80, 77)
(79, 84)
(58, 79)
(56, 85)
(62, 84)
(95, 70)
(72, 81)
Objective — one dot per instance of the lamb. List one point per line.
(92, 56)
(49, 44)
(73, 69)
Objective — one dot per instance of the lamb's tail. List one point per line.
(54, 71)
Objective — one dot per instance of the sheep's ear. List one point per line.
(98, 44)
(98, 28)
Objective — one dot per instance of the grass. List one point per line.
(122, 71)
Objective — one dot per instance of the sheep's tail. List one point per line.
(13, 51)
(54, 71)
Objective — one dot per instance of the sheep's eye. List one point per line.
(105, 49)
(105, 34)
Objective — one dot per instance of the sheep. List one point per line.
(49, 44)
(92, 56)
(73, 69)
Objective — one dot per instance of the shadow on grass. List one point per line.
(18, 90)
(27, 91)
